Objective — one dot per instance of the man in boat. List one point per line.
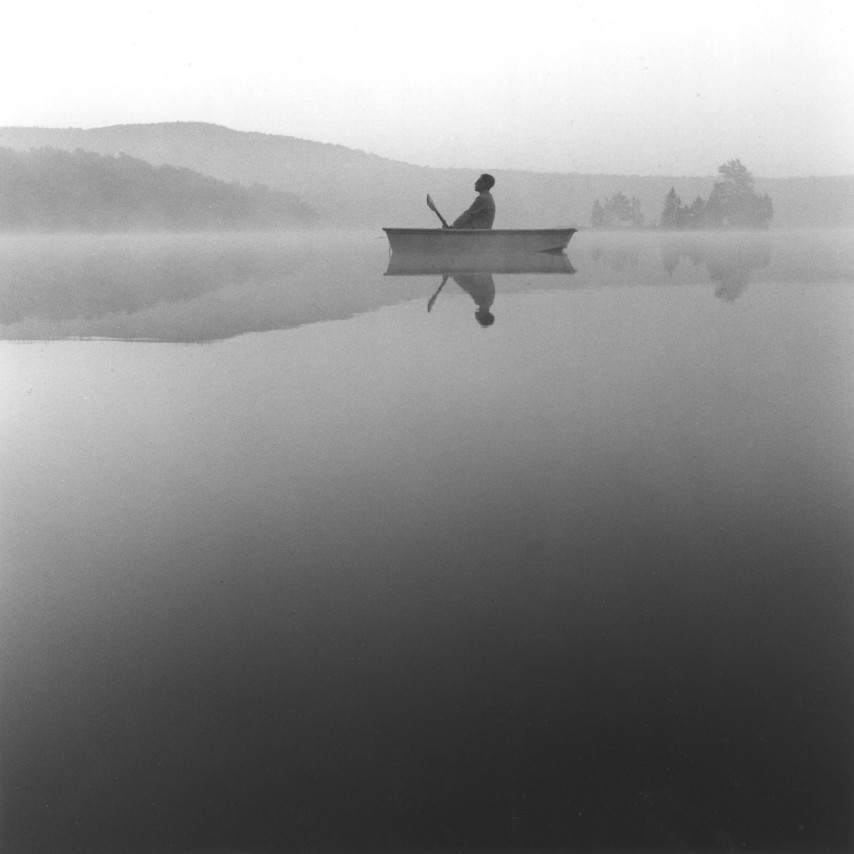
(481, 214)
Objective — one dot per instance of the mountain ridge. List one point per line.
(51, 189)
(351, 187)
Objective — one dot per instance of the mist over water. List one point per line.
(291, 563)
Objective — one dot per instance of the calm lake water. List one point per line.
(291, 563)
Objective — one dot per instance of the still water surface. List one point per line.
(290, 563)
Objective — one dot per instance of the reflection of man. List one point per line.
(481, 288)
(481, 214)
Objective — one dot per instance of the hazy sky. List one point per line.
(624, 87)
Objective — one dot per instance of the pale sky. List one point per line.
(616, 87)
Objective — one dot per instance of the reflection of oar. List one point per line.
(433, 298)
(435, 210)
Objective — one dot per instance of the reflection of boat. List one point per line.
(449, 263)
(473, 271)
(478, 240)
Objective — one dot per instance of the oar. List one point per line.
(436, 210)
(433, 298)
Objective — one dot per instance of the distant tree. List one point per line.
(733, 203)
(695, 216)
(678, 216)
(674, 214)
(617, 212)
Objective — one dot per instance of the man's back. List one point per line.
(481, 214)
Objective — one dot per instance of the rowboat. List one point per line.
(479, 240)
(449, 263)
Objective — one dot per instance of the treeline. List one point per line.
(618, 211)
(732, 203)
(52, 190)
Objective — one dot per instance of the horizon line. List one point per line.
(208, 124)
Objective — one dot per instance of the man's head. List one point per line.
(484, 317)
(485, 182)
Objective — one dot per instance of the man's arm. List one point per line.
(463, 220)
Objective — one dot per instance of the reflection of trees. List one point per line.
(66, 277)
(729, 262)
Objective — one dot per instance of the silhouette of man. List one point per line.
(481, 214)
(481, 288)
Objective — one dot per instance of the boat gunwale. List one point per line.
(480, 231)
(482, 241)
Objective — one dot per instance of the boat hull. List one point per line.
(479, 240)
(449, 263)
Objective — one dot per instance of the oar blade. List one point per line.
(432, 206)
(433, 298)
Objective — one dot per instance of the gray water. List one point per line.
(291, 563)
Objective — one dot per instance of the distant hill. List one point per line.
(50, 189)
(355, 188)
